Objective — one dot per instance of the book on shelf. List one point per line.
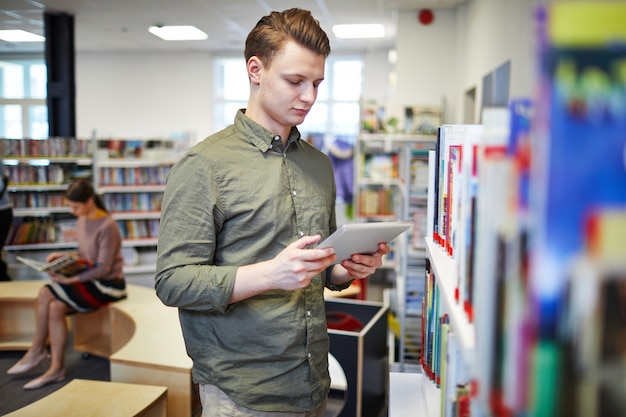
(597, 300)
(25, 231)
(58, 147)
(68, 264)
(430, 202)
(450, 147)
(434, 194)
(489, 253)
(578, 170)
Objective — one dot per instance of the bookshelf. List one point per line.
(450, 353)
(40, 171)
(444, 267)
(390, 172)
(130, 175)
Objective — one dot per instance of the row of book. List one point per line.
(38, 230)
(156, 175)
(53, 147)
(133, 202)
(32, 231)
(380, 166)
(38, 200)
(376, 201)
(139, 229)
(123, 148)
(531, 208)
(129, 148)
(37, 175)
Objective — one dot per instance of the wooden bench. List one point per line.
(140, 336)
(99, 399)
(17, 313)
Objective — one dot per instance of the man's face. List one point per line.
(288, 88)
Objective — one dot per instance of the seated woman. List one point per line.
(99, 239)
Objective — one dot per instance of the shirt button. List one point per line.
(276, 137)
(300, 233)
(294, 192)
(271, 146)
(309, 355)
(308, 313)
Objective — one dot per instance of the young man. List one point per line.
(241, 213)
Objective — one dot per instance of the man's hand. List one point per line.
(292, 269)
(296, 265)
(362, 266)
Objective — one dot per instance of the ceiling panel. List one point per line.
(121, 25)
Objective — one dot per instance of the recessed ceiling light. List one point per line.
(178, 33)
(19, 35)
(359, 31)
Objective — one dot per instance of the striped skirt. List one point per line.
(89, 296)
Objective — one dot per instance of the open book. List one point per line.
(68, 265)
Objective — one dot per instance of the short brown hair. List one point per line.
(273, 30)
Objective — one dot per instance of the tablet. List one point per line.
(362, 238)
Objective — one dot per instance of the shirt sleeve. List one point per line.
(186, 276)
(328, 281)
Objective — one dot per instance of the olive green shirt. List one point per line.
(237, 198)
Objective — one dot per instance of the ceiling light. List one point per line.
(178, 33)
(19, 35)
(359, 31)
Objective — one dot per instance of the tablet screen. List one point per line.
(362, 238)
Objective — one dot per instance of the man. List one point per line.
(241, 215)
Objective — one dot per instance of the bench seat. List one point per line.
(99, 399)
(139, 335)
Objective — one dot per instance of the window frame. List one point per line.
(27, 102)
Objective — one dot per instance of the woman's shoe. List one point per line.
(20, 368)
(45, 380)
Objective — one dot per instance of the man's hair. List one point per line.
(273, 30)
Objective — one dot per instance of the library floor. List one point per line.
(13, 396)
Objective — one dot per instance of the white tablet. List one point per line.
(362, 238)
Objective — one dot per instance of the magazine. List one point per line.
(68, 265)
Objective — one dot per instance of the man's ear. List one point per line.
(255, 66)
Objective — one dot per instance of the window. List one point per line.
(23, 109)
(335, 113)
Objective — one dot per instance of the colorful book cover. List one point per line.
(492, 168)
(578, 163)
(436, 189)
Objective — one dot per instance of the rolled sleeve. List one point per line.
(186, 276)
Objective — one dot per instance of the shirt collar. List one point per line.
(260, 136)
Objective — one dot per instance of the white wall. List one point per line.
(376, 73)
(439, 62)
(144, 95)
(158, 95)
(427, 62)
(490, 32)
